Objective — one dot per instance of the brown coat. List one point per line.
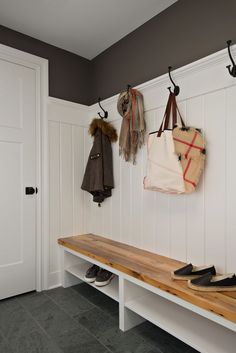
(98, 178)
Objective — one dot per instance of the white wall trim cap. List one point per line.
(68, 103)
(202, 64)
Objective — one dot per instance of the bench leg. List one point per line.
(127, 318)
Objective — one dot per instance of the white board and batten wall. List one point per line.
(198, 228)
(67, 127)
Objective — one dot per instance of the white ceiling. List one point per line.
(84, 27)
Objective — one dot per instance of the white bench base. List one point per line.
(138, 301)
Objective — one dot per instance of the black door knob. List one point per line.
(29, 190)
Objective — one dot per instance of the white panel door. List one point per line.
(17, 171)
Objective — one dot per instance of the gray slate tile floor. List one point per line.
(75, 320)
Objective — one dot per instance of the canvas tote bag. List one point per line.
(190, 146)
(164, 169)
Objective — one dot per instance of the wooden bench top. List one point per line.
(152, 269)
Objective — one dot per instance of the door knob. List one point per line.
(29, 190)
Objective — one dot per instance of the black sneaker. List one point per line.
(91, 274)
(103, 278)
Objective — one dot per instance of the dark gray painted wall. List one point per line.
(184, 32)
(68, 73)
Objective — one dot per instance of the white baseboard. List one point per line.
(54, 280)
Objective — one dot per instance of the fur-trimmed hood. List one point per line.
(107, 129)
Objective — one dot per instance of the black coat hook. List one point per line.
(128, 88)
(233, 70)
(176, 88)
(105, 112)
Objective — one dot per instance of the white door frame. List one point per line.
(40, 66)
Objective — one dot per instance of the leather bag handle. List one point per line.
(166, 118)
(171, 107)
(175, 110)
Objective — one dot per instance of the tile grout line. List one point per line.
(96, 306)
(40, 327)
(5, 340)
(134, 333)
(71, 317)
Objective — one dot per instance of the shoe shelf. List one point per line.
(111, 289)
(166, 315)
(175, 319)
(73, 271)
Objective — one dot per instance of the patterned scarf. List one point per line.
(130, 107)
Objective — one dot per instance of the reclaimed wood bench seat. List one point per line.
(145, 277)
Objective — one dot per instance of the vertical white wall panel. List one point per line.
(178, 237)
(115, 201)
(66, 170)
(107, 218)
(230, 231)
(97, 218)
(87, 198)
(136, 187)
(54, 197)
(163, 240)
(78, 173)
(215, 179)
(66, 173)
(126, 197)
